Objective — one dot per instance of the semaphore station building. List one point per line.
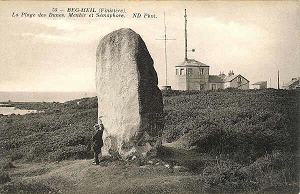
(194, 75)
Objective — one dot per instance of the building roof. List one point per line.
(191, 63)
(229, 78)
(259, 83)
(291, 82)
(232, 77)
(214, 79)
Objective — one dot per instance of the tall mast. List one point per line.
(185, 35)
(166, 49)
(278, 81)
(165, 40)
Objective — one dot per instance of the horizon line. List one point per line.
(55, 91)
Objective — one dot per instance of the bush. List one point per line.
(6, 164)
(274, 171)
(75, 152)
(34, 188)
(4, 177)
(16, 156)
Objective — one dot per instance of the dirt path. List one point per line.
(80, 176)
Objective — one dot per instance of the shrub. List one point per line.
(34, 188)
(75, 152)
(6, 164)
(4, 177)
(275, 171)
(16, 155)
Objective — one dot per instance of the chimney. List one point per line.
(230, 73)
(222, 75)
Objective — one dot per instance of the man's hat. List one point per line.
(99, 126)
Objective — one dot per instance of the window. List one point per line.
(213, 87)
(176, 71)
(181, 71)
(239, 79)
(190, 71)
(201, 72)
(201, 86)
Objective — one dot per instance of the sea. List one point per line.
(37, 97)
(13, 110)
(43, 96)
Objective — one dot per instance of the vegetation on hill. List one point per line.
(62, 131)
(244, 124)
(252, 136)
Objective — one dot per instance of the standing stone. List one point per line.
(129, 101)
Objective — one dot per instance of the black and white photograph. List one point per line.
(177, 97)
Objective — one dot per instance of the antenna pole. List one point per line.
(165, 40)
(166, 49)
(185, 35)
(278, 81)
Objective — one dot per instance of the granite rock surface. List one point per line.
(129, 101)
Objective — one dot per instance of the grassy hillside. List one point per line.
(62, 131)
(244, 124)
(252, 136)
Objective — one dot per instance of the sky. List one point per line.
(254, 38)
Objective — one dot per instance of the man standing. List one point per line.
(97, 142)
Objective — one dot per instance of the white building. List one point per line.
(260, 85)
(194, 75)
(293, 84)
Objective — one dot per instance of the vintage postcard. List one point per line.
(149, 97)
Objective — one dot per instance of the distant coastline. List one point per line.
(43, 96)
